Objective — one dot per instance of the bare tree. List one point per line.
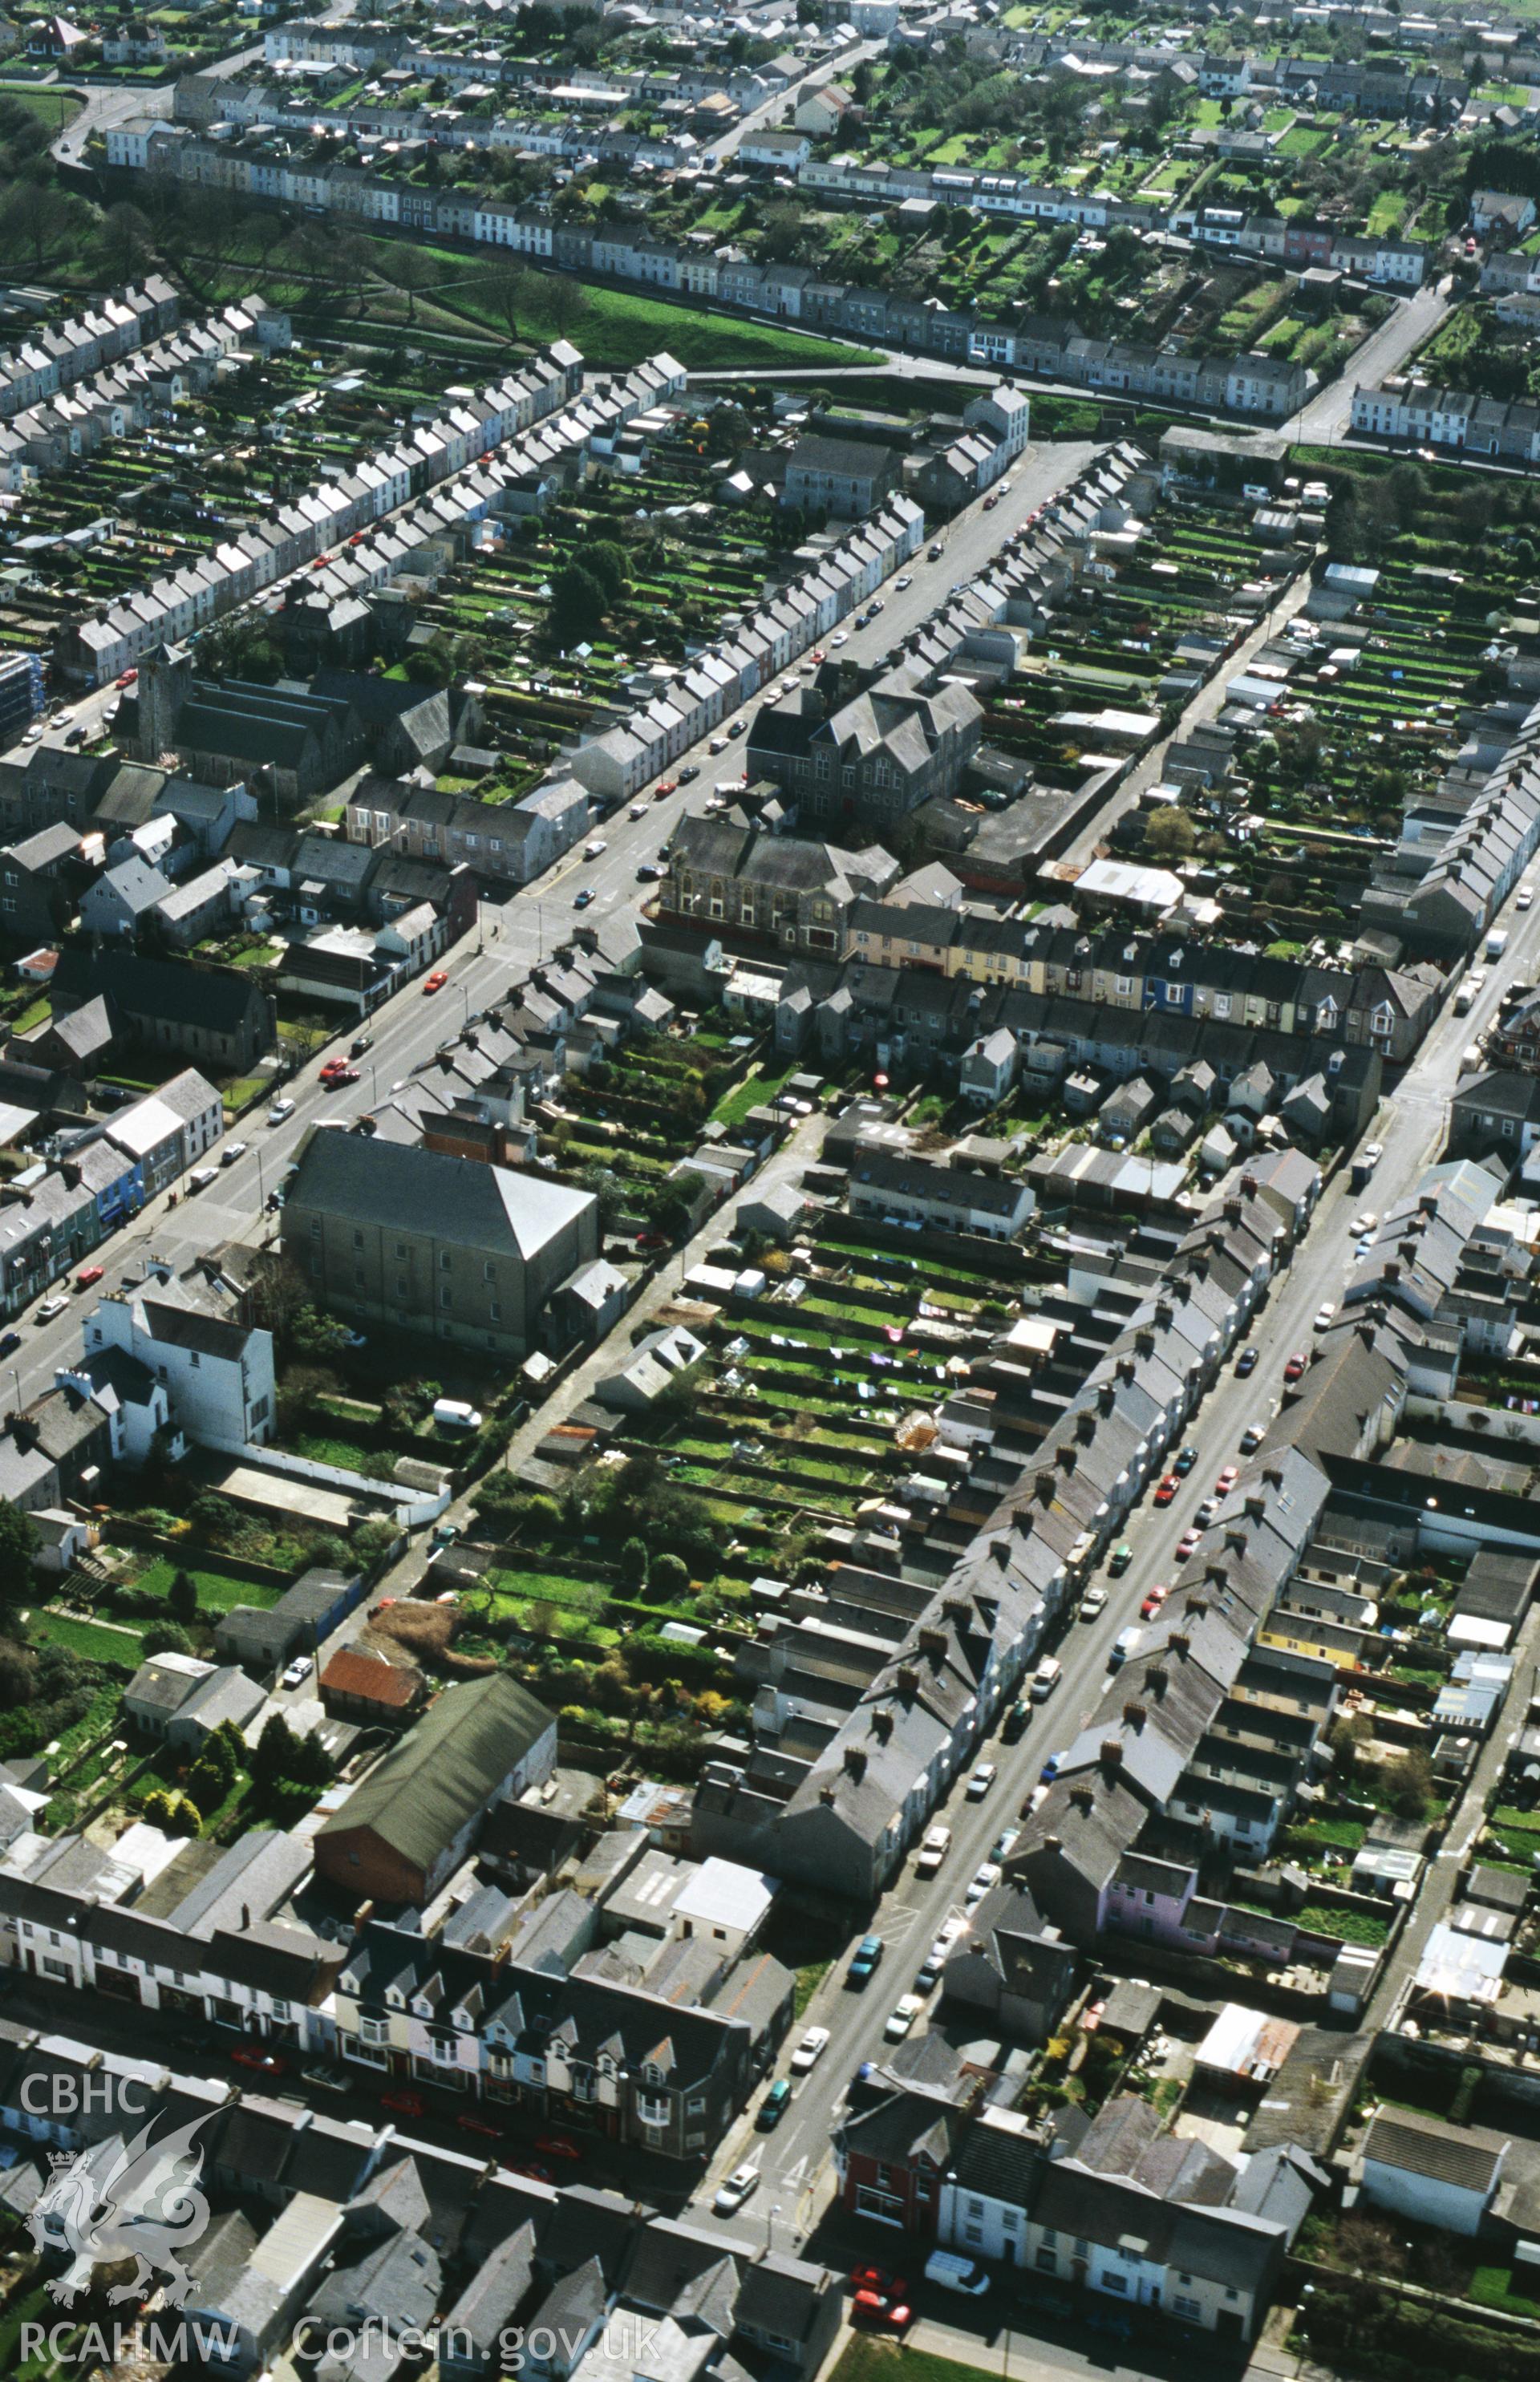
(411, 270)
(127, 242)
(509, 286)
(29, 214)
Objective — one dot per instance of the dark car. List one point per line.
(774, 2106)
(862, 1966)
(1246, 1362)
(1015, 1723)
(1185, 1461)
(9, 1340)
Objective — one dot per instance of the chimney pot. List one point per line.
(1112, 1753)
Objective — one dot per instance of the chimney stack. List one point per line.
(1066, 1459)
(1085, 1426)
(856, 1761)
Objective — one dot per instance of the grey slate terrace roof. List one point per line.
(480, 1208)
(1466, 2157)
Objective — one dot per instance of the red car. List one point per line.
(1295, 1366)
(557, 2146)
(127, 678)
(338, 1074)
(86, 1275)
(1167, 1489)
(468, 2123)
(266, 2063)
(877, 2279)
(436, 981)
(875, 2308)
(665, 786)
(652, 1240)
(1188, 1544)
(404, 2104)
(1227, 1480)
(1153, 1602)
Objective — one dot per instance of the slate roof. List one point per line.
(446, 1768)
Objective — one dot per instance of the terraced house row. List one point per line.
(724, 675)
(55, 357)
(119, 399)
(261, 169)
(539, 407)
(1043, 1474)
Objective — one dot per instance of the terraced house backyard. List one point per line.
(813, 1400)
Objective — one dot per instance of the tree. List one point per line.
(303, 1388)
(17, 1549)
(18, 1674)
(564, 302)
(185, 1821)
(182, 1598)
(273, 1755)
(158, 1809)
(28, 216)
(1408, 1784)
(609, 564)
(166, 1638)
(668, 1578)
(510, 287)
(673, 1208)
(577, 605)
(411, 269)
(633, 1564)
(206, 1788)
(1169, 833)
(242, 648)
(127, 242)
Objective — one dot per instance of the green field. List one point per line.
(220, 1591)
(89, 1638)
(53, 108)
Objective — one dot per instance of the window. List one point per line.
(494, 1312)
(445, 1295)
(1047, 2263)
(1185, 2307)
(1112, 2281)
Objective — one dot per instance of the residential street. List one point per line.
(1325, 415)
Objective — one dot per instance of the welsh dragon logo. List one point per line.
(137, 2198)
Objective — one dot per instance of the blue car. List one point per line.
(862, 1966)
(1050, 1770)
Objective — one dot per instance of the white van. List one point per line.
(1045, 1678)
(955, 2273)
(454, 1413)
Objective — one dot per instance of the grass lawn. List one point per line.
(808, 1979)
(759, 1086)
(1493, 2287)
(218, 1589)
(55, 108)
(93, 1639)
(866, 2360)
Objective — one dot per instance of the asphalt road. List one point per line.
(529, 925)
(1325, 415)
(795, 2160)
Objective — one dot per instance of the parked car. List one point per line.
(987, 1875)
(582, 897)
(1252, 1437)
(360, 1043)
(436, 981)
(1185, 1462)
(88, 1275)
(265, 2063)
(883, 2314)
(1227, 1480)
(773, 2108)
(1324, 1315)
(933, 1851)
(468, 2123)
(1246, 1363)
(877, 2279)
(1188, 1544)
(1166, 1489)
(280, 1109)
(404, 2103)
(1153, 1602)
(1094, 1602)
(732, 2194)
(902, 2018)
(9, 1340)
(1052, 1767)
(1296, 1366)
(557, 2146)
(232, 1152)
(298, 1671)
(982, 1781)
(50, 1308)
(1118, 1560)
(1014, 1727)
(810, 2050)
(862, 1966)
